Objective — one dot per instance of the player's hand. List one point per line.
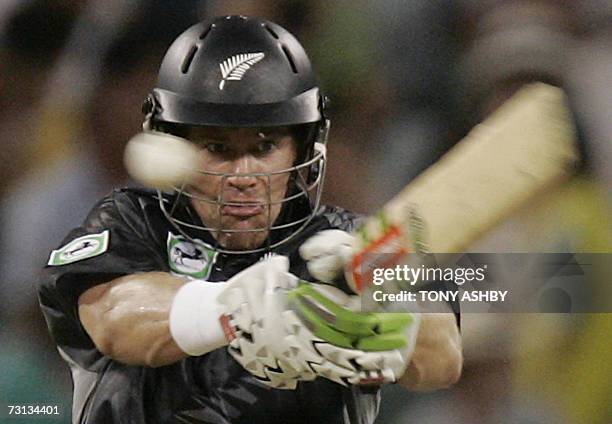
(327, 254)
(268, 325)
(245, 317)
(345, 345)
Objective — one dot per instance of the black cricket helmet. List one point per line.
(239, 71)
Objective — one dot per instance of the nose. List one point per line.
(245, 164)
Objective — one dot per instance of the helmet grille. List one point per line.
(289, 59)
(188, 59)
(271, 31)
(206, 32)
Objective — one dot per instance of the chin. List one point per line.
(242, 241)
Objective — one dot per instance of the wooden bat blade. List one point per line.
(523, 148)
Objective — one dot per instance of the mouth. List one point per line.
(240, 209)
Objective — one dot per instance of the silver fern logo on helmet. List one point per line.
(234, 68)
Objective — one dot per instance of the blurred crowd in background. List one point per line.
(407, 79)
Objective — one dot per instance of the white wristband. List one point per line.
(194, 317)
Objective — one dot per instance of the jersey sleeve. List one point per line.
(113, 241)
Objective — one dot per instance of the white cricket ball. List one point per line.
(160, 160)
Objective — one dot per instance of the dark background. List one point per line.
(407, 78)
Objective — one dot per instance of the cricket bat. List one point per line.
(524, 148)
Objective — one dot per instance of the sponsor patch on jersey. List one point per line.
(80, 248)
(190, 257)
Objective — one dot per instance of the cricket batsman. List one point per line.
(224, 300)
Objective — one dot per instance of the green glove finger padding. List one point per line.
(387, 341)
(345, 328)
(320, 328)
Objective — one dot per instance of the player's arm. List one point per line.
(156, 319)
(128, 318)
(437, 359)
(104, 301)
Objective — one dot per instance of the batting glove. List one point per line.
(375, 348)
(328, 254)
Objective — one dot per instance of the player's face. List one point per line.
(244, 202)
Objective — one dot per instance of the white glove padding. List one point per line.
(267, 339)
(275, 344)
(244, 318)
(327, 254)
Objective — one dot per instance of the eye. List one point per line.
(216, 147)
(266, 146)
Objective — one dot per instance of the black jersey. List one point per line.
(127, 233)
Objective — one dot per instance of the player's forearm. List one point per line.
(437, 359)
(128, 318)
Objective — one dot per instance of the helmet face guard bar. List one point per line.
(300, 187)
